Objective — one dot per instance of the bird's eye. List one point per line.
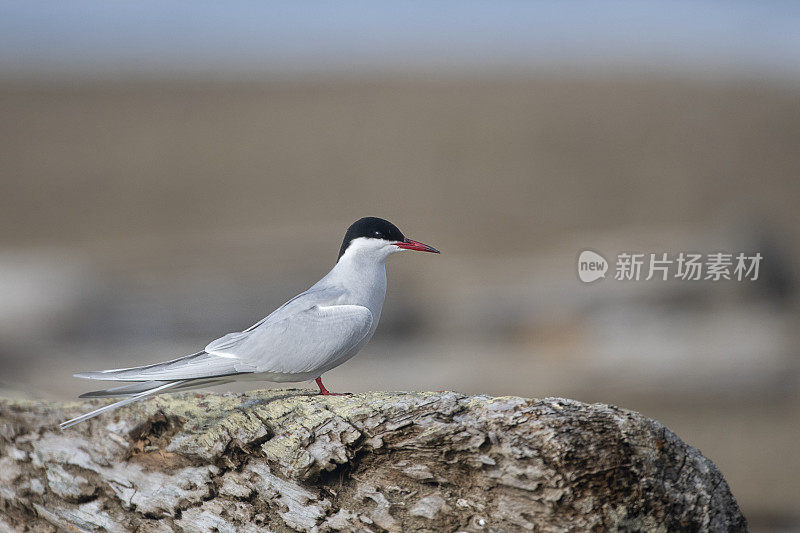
(377, 233)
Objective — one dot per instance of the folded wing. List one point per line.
(299, 342)
(297, 339)
(198, 365)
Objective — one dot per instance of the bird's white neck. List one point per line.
(361, 275)
(361, 272)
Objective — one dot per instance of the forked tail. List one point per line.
(130, 399)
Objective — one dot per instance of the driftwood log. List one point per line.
(288, 461)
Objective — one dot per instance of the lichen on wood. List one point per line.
(286, 460)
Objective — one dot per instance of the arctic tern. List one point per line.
(310, 334)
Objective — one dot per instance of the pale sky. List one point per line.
(115, 38)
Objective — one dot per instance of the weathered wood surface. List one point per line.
(285, 460)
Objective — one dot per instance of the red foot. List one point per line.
(325, 392)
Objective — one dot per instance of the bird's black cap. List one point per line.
(371, 227)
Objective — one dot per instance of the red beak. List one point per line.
(408, 244)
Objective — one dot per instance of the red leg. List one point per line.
(325, 392)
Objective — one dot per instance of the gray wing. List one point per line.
(137, 387)
(198, 365)
(300, 336)
(299, 341)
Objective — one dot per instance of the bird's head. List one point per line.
(377, 237)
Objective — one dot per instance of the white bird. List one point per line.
(310, 334)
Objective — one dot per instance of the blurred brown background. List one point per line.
(145, 214)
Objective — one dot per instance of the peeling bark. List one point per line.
(286, 461)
